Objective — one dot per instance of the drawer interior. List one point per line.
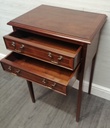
(45, 43)
(37, 67)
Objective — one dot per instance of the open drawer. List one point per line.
(46, 49)
(50, 76)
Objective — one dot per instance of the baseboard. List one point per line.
(96, 90)
(2, 56)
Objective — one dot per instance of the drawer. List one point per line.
(49, 50)
(50, 76)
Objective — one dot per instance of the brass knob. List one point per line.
(60, 57)
(9, 68)
(13, 44)
(50, 54)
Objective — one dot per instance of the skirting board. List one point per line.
(97, 90)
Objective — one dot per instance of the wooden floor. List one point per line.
(51, 110)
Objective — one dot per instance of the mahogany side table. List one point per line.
(52, 45)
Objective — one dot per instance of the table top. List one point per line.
(61, 23)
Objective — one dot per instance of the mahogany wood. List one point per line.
(40, 47)
(91, 74)
(38, 71)
(80, 89)
(61, 23)
(63, 32)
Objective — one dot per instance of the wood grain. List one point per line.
(39, 68)
(40, 47)
(61, 23)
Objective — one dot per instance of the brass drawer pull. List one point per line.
(18, 71)
(54, 84)
(13, 44)
(60, 57)
(52, 58)
(18, 51)
(9, 68)
(50, 54)
(22, 46)
(54, 62)
(44, 81)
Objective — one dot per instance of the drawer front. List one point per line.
(44, 55)
(32, 77)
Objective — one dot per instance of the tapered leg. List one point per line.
(79, 100)
(91, 74)
(30, 86)
(79, 97)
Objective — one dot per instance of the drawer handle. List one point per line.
(53, 85)
(60, 57)
(9, 68)
(44, 81)
(54, 62)
(22, 46)
(50, 54)
(20, 49)
(13, 44)
(18, 71)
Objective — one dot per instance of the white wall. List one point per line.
(10, 9)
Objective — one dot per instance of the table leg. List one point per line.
(79, 98)
(30, 86)
(91, 74)
(80, 89)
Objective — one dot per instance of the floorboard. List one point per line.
(51, 110)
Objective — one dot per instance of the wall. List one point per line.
(10, 9)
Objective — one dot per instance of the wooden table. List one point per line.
(52, 45)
